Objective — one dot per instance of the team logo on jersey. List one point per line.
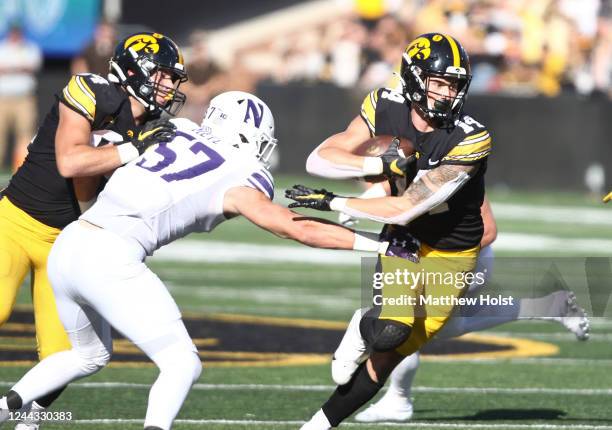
(242, 341)
(144, 42)
(419, 49)
(256, 110)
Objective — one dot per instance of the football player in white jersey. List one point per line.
(204, 176)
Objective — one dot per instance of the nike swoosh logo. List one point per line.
(433, 163)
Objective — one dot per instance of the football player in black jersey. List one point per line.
(95, 125)
(435, 207)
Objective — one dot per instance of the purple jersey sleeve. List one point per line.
(263, 181)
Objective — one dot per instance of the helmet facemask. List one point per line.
(146, 85)
(444, 109)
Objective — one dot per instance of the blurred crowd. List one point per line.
(516, 46)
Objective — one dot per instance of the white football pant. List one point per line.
(99, 280)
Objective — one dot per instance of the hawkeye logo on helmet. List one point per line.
(419, 49)
(146, 42)
(257, 114)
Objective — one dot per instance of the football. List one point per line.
(377, 145)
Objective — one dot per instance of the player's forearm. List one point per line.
(387, 210)
(321, 234)
(336, 163)
(431, 190)
(84, 160)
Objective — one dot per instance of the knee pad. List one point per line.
(191, 364)
(179, 361)
(93, 361)
(383, 335)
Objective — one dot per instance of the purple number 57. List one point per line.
(169, 157)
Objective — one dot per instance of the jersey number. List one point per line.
(393, 96)
(169, 157)
(468, 124)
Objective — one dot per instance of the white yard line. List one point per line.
(325, 388)
(412, 424)
(553, 214)
(214, 251)
(543, 243)
(595, 337)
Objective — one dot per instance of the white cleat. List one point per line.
(574, 318)
(383, 411)
(318, 422)
(350, 353)
(4, 411)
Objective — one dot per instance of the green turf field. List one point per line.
(240, 270)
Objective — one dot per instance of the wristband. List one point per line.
(127, 152)
(364, 243)
(372, 166)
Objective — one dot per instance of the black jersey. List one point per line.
(37, 187)
(455, 224)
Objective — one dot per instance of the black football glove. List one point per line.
(154, 132)
(310, 198)
(393, 163)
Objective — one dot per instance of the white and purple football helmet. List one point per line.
(244, 121)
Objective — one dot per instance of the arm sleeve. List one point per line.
(440, 196)
(319, 166)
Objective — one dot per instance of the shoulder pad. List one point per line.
(378, 99)
(368, 110)
(474, 142)
(90, 95)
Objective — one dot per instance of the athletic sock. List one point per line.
(13, 401)
(47, 400)
(350, 397)
(547, 307)
(401, 378)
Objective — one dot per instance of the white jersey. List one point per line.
(176, 188)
